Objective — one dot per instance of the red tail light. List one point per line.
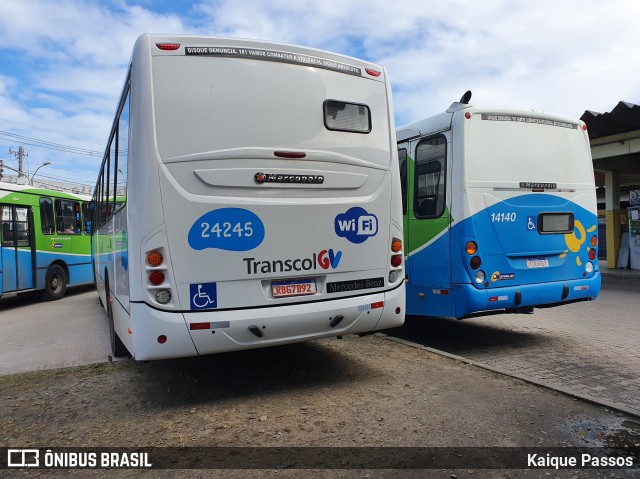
(156, 277)
(168, 46)
(396, 260)
(592, 254)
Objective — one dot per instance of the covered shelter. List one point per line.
(615, 149)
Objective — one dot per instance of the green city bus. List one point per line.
(45, 240)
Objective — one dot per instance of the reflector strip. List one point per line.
(440, 291)
(493, 299)
(580, 288)
(196, 326)
(379, 304)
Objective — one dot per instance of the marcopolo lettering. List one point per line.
(536, 185)
(261, 178)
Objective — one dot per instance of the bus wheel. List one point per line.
(118, 349)
(56, 283)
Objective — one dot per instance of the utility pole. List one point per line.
(20, 154)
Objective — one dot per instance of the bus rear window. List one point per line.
(350, 117)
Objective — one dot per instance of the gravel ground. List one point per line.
(355, 392)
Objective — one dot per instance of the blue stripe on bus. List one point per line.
(504, 246)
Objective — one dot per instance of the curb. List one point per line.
(585, 397)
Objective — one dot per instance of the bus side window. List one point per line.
(429, 195)
(46, 216)
(402, 158)
(7, 234)
(87, 215)
(68, 217)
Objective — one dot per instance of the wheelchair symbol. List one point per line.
(531, 225)
(201, 298)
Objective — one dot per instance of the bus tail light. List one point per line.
(471, 248)
(592, 254)
(394, 275)
(156, 277)
(396, 260)
(154, 258)
(157, 273)
(594, 241)
(480, 277)
(475, 262)
(168, 46)
(163, 296)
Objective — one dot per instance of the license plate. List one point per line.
(294, 287)
(537, 263)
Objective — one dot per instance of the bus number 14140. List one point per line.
(503, 217)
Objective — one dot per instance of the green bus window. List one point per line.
(46, 216)
(402, 157)
(430, 170)
(68, 219)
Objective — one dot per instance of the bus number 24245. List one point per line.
(227, 230)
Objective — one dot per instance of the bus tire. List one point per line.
(118, 349)
(55, 284)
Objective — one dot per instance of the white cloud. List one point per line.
(62, 62)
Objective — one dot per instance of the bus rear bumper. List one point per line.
(210, 332)
(469, 300)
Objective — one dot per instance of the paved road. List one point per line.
(36, 335)
(589, 349)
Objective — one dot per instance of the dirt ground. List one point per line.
(354, 392)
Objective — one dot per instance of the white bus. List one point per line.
(249, 196)
(499, 210)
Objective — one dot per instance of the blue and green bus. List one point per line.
(45, 239)
(499, 212)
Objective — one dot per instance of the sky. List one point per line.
(63, 62)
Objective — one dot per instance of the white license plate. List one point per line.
(537, 263)
(294, 287)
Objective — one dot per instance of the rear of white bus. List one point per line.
(272, 204)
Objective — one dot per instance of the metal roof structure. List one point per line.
(625, 117)
(615, 142)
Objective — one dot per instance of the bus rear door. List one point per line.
(428, 223)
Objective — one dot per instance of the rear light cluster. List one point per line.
(396, 260)
(471, 248)
(156, 271)
(592, 253)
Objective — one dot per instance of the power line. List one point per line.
(5, 135)
(48, 131)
